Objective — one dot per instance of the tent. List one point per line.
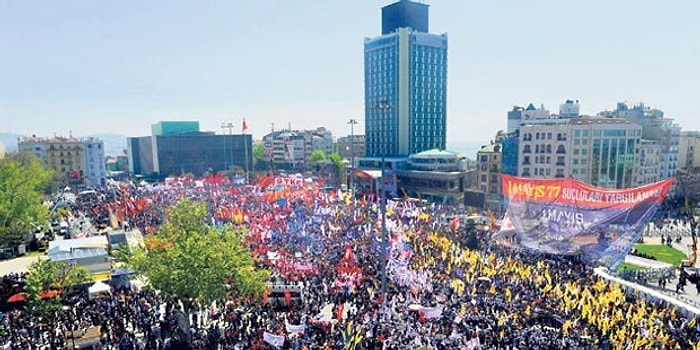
(21, 297)
(16, 298)
(136, 285)
(98, 288)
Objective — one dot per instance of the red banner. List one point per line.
(571, 192)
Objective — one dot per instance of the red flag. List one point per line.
(288, 297)
(339, 312)
(245, 126)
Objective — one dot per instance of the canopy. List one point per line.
(99, 287)
(20, 297)
(16, 298)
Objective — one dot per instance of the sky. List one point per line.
(85, 67)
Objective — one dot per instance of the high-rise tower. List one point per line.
(405, 84)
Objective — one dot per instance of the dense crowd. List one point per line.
(440, 293)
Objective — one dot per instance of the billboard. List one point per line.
(564, 216)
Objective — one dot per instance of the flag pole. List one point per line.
(245, 146)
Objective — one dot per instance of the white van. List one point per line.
(63, 228)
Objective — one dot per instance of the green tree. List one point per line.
(46, 280)
(121, 254)
(258, 156)
(317, 159)
(190, 259)
(338, 166)
(317, 156)
(22, 183)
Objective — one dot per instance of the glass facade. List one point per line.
(168, 128)
(381, 95)
(199, 154)
(428, 92)
(612, 158)
(509, 155)
(405, 14)
(423, 73)
(140, 150)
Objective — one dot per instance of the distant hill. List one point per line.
(114, 144)
(466, 148)
(9, 141)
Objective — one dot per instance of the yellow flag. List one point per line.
(566, 326)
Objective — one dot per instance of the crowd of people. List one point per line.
(441, 291)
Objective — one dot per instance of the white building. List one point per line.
(531, 114)
(95, 174)
(689, 150)
(291, 149)
(596, 150)
(34, 145)
(570, 109)
(655, 127)
(647, 170)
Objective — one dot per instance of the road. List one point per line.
(18, 265)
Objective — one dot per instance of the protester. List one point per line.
(439, 294)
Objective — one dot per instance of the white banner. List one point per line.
(430, 313)
(274, 340)
(294, 329)
(473, 343)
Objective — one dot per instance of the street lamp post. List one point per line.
(384, 106)
(352, 123)
(224, 126)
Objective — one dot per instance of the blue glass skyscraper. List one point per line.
(405, 84)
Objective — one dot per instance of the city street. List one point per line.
(17, 265)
